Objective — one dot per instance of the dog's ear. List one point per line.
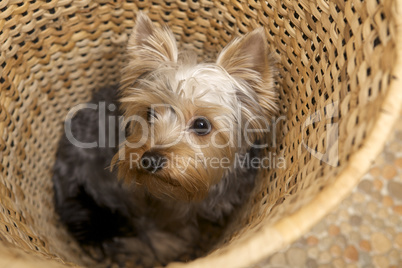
(148, 48)
(143, 29)
(248, 60)
(152, 43)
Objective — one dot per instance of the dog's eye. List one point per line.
(201, 126)
(151, 115)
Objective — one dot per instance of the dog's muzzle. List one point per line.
(152, 161)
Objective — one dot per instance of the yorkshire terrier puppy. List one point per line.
(190, 131)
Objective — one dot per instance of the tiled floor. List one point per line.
(365, 230)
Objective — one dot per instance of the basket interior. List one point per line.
(336, 61)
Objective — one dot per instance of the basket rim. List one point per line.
(258, 246)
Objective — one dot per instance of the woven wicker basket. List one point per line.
(340, 93)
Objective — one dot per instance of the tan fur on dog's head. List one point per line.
(167, 94)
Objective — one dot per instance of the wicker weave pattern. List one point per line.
(340, 54)
(53, 54)
(337, 76)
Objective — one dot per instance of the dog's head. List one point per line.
(187, 121)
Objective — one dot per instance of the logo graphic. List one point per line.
(330, 144)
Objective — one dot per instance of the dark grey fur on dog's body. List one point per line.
(89, 200)
(100, 211)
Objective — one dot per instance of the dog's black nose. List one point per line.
(152, 161)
